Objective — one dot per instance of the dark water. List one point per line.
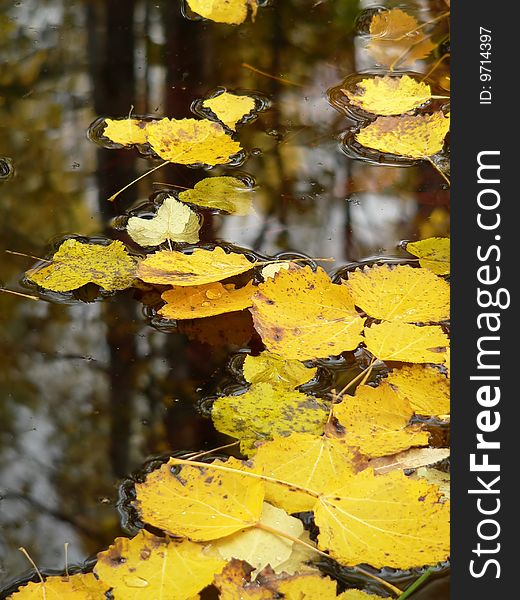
(89, 391)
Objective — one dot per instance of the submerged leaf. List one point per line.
(230, 108)
(221, 193)
(433, 254)
(273, 369)
(82, 586)
(125, 131)
(232, 12)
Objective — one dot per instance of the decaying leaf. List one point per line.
(174, 221)
(230, 108)
(197, 301)
(82, 586)
(221, 193)
(419, 136)
(148, 566)
(433, 254)
(232, 12)
(273, 369)
(76, 264)
(389, 95)
(409, 459)
(266, 411)
(407, 343)
(200, 267)
(191, 141)
(234, 583)
(435, 477)
(400, 293)
(301, 315)
(425, 388)
(125, 131)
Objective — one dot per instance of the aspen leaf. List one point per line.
(232, 12)
(389, 95)
(433, 254)
(425, 388)
(82, 586)
(200, 267)
(384, 520)
(267, 411)
(271, 368)
(125, 131)
(199, 503)
(305, 586)
(358, 595)
(234, 583)
(147, 567)
(419, 136)
(435, 477)
(174, 221)
(191, 141)
(76, 264)
(221, 193)
(301, 315)
(230, 108)
(376, 421)
(206, 300)
(407, 343)
(400, 293)
(409, 459)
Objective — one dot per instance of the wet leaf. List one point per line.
(409, 459)
(433, 254)
(221, 193)
(419, 136)
(274, 268)
(230, 108)
(400, 293)
(376, 420)
(302, 315)
(234, 583)
(174, 221)
(271, 368)
(195, 302)
(82, 586)
(267, 411)
(125, 131)
(186, 502)
(156, 567)
(198, 268)
(406, 343)
(389, 95)
(232, 12)
(435, 477)
(191, 141)
(305, 586)
(425, 388)
(358, 595)
(77, 263)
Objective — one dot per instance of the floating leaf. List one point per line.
(148, 566)
(433, 254)
(205, 300)
(267, 411)
(376, 420)
(273, 369)
(199, 268)
(305, 586)
(389, 95)
(407, 343)
(301, 315)
(409, 459)
(232, 12)
(191, 141)
(221, 193)
(435, 477)
(125, 131)
(230, 108)
(234, 583)
(82, 586)
(76, 264)
(425, 388)
(174, 221)
(419, 136)
(185, 502)
(358, 595)
(400, 293)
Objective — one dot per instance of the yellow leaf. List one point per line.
(148, 567)
(82, 586)
(384, 520)
(76, 263)
(125, 131)
(376, 421)
(266, 411)
(358, 595)
(174, 221)
(309, 461)
(301, 315)
(435, 477)
(198, 503)
(232, 12)
(389, 95)
(273, 369)
(234, 583)
(230, 108)
(191, 141)
(433, 254)
(198, 268)
(407, 343)
(400, 293)
(221, 193)
(409, 459)
(205, 300)
(425, 388)
(417, 136)
(305, 586)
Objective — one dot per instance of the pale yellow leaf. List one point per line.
(409, 459)
(221, 193)
(271, 368)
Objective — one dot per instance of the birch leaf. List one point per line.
(232, 12)
(230, 108)
(271, 368)
(125, 131)
(433, 254)
(221, 193)
(82, 586)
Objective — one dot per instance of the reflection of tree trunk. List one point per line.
(111, 51)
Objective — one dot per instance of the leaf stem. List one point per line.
(280, 79)
(28, 296)
(114, 196)
(365, 372)
(416, 584)
(438, 170)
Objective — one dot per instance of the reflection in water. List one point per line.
(89, 391)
